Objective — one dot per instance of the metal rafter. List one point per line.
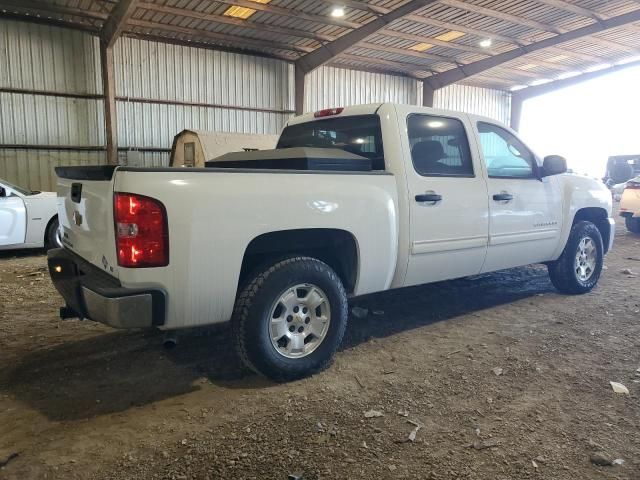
(518, 20)
(331, 50)
(220, 37)
(460, 73)
(117, 21)
(507, 17)
(52, 8)
(286, 12)
(261, 27)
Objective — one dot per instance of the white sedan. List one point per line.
(28, 219)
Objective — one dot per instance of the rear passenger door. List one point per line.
(448, 203)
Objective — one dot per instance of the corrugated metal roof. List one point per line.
(287, 29)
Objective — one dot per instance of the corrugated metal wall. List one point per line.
(161, 89)
(164, 88)
(328, 87)
(47, 59)
(480, 101)
(51, 112)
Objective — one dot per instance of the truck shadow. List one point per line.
(117, 371)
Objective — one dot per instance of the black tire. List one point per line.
(253, 308)
(632, 224)
(51, 239)
(562, 272)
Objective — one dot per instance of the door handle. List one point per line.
(428, 197)
(503, 197)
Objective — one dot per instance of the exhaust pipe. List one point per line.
(170, 340)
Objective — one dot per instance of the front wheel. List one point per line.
(578, 268)
(632, 224)
(290, 318)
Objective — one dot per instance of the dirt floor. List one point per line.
(78, 400)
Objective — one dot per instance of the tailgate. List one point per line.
(85, 211)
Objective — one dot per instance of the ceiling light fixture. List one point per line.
(449, 36)
(421, 47)
(239, 12)
(486, 43)
(337, 12)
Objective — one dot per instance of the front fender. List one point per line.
(579, 193)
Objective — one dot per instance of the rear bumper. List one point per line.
(96, 295)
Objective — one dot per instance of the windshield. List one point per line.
(360, 135)
(15, 188)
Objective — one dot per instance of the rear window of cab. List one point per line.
(358, 134)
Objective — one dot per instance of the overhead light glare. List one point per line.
(421, 47)
(624, 61)
(595, 68)
(486, 43)
(337, 12)
(540, 81)
(515, 88)
(449, 36)
(564, 75)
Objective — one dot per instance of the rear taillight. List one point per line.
(142, 237)
(328, 112)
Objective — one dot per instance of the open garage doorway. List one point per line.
(588, 122)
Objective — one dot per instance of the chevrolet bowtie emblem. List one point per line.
(77, 217)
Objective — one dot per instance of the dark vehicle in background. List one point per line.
(621, 168)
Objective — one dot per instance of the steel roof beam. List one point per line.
(261, 27)
(117, 21)
(331, 50)
(460, 73)
(538, 90)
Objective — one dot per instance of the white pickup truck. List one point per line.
(278, 251)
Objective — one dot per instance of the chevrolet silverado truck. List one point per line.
(373, 197)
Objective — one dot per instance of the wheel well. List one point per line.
(597, 216)
(46, 230)
(336, 248)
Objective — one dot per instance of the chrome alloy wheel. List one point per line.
(586, 259)
(299, 320)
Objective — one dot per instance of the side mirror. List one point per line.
(553, 165)
(3, 192)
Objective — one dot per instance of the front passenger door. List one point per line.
(525, 212)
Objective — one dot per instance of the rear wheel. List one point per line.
(632, 224)
(578, 268)
(290, 318)
(52, 236)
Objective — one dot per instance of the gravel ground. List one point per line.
(497, 376)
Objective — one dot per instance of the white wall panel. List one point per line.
(328, 87)
(480, 101)
(155, 125)
(162, 71)
(40, 57)
(34, 168)
(47, 120)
